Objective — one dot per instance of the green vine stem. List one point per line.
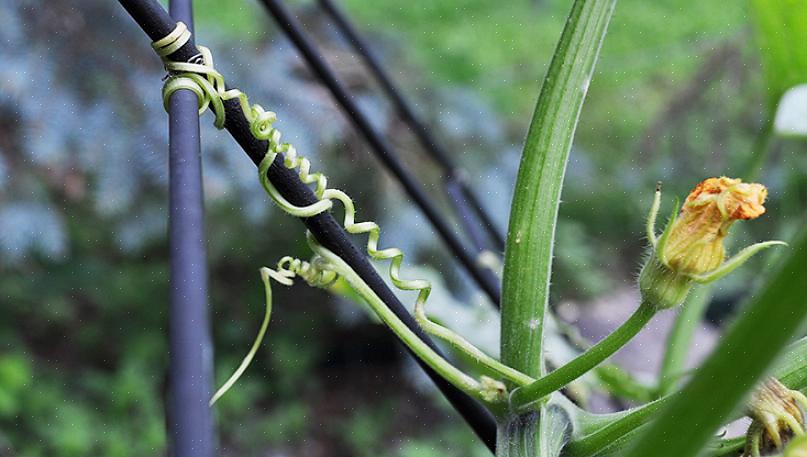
(531, 231)
(680, 337)
(464, 346)
(287, 268)
(727, 447)
(519, 436)
(527, 397)
(534, 213)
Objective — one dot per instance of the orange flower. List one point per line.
(695, 243)
(691, 248)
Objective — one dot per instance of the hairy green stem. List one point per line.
(534, 213)
(531, 232)
(518, 436)
(476, 356)
(526, 397)
(680, 337)
(535, 433)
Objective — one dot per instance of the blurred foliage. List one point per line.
(679, 94)
(780, 25)
(503, 51)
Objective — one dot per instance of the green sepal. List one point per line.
(662, 287)
(662, 241)
(733, 263)
(652, 215)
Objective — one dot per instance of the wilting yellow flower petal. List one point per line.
(690, 250)
(777, 416)
(695, 244)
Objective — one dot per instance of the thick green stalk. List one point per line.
(528, 256)
(680, 337)
(582, 364)
(743, 356)
(518, 436)
(536, 433)
(531, 232)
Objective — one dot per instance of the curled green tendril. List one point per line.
(394, 255)
(314, 273)
(200, 77)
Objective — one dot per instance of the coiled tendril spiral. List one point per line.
(200, 76)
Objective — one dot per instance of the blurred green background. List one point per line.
(684, 90)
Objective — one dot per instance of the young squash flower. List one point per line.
(777, 417)
(691, 250)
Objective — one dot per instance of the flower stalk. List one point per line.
(529, 396)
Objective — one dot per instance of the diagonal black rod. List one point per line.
(423, 134)
(153, 19)
(475, 233)
(189, 419)
(486, 280)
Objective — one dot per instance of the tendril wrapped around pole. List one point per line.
(200, 76)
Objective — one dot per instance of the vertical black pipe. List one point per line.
(486, 280)
(156, 23)
(423, 134)
(190, 422)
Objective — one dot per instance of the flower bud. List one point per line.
(695, 243)
(777, 417)
(691, 248)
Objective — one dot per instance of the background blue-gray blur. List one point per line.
(684, 90)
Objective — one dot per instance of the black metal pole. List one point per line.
(475, 233)
(190, 422)
(423, 134)
(486, 280)
(156, 23)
